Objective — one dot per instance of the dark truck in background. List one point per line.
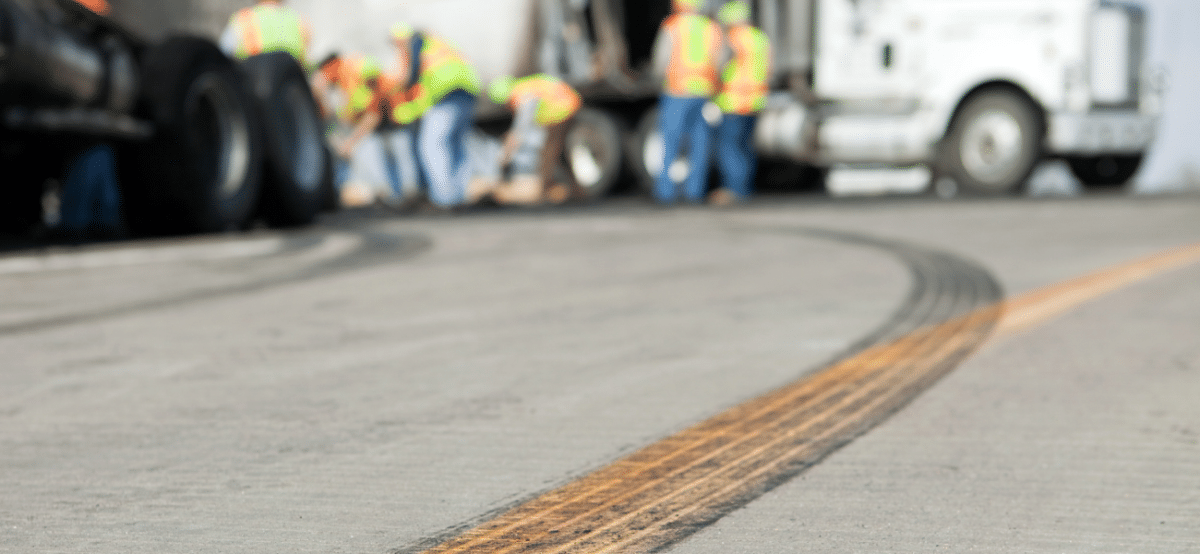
(204, 143)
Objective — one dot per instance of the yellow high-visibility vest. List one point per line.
(744, 83)
(557, 101)
(696, 42)
(269, 27)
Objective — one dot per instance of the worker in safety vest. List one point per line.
(359, 104)
(743, 95)
(689, 44)
(267, 26)
(438, 87)
(544, 108)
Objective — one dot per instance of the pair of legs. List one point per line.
(735, 154)
(90, 199)
(552, 158)
(535, 164)
(385, 162)
(679, 117)
(442, 148)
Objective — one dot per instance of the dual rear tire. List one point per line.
(202, 170)
(231, 143)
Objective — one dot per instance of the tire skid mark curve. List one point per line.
(668, 490)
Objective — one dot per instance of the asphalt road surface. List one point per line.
(794, 375)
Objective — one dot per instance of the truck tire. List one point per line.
(296, 164)
(593, 152)
(201, 171)
(1105, 171)
(993, 144)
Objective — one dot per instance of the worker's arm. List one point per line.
(523, 120)
(419, 102)
(230, 39)
(366, 125)
(663, 45)
(320, 89)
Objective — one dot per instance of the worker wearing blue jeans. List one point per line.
(442, 147)
(685, 54)
(680, 116)
(91, 203)
(735, 153)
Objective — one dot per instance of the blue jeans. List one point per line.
(90, 199)
(442, 148)
(735, 153)
(679, 117)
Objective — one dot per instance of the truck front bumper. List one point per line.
(1099, 133)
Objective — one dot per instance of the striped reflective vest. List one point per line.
(744, 82)
(269, 27)
(443, 70)
(696, 42)
(557, 101)
(353, 74)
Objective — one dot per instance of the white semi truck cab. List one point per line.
(976, 91)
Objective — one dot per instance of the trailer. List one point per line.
(204, 144)
(972, 93)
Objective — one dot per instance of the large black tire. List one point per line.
(292, 131)
(994, 143)
(593, 152)
(1105, 171)
(201, 171)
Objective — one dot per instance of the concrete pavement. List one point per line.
(368, 407)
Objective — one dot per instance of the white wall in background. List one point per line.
(1174, 162)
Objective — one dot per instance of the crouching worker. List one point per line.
(439, 88)
(544, 109)
(357, 78)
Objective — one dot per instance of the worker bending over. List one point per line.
(743, 95)
(439, 88)
(689, 43)
(358, 80)
(544, 108)
(267, 26)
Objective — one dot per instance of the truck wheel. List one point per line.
(593, 152)
(1104, 171)
(201, 171)
(993, 143)
(295, 156)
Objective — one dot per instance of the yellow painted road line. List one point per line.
(1034, 308)
(668, 489)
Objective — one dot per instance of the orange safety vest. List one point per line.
(696, 41)
(270, 27)
(557, 101)
(744, 90)
(351, 74)
(443, 70)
